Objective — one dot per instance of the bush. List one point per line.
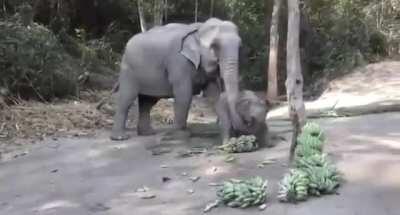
(33, 63)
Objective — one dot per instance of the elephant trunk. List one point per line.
(229, 68)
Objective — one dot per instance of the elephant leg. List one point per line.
(263, 137)
(144, 124)
(183, 99)
(127, 95)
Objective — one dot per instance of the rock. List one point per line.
(262, 207)
(165, 179)
(142, 189)
(194, 179)
(147, 196)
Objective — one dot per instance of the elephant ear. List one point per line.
(191, 50)
(208, 34)
(243, 105)
(243, 108)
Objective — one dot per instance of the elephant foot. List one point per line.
(146, 132)
(119, 136)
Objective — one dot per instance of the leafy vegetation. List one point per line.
(34, 63)
(89, 36)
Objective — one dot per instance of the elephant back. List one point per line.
(171, 35)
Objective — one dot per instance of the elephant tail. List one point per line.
(104, 100)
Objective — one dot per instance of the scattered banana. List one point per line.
(243, 193)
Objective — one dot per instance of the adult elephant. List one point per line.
(176, 60)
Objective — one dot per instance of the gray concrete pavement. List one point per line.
(97, 176)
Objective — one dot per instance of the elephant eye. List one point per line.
(249, 122)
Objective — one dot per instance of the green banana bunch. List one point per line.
(305, 151)
(310, 141)
(323, 179)
(244, 143)
(243, 193)
(294, 186)
(313, 129)
(315, 160)
(314, 174)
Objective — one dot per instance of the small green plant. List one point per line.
(243, 193)
(244, 143)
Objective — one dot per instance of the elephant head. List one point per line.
(252, 110)
(214, 46)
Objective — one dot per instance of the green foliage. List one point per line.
(243, 193)
(33, 61)
(249, 15)
(352, 33)
(244, 143)
(336, 35)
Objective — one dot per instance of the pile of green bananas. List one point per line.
(314, 174)
(294, 186)
(308, 141)
(244, 143)
(313, 129)
(323, 180)
(243, 193)
(315, 160)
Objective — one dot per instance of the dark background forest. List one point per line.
(48, 48)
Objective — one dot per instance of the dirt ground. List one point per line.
(24, 125)
(374, 88)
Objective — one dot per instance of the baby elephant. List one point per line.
(251, 109)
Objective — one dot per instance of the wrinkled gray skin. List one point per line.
(176, 61)
(251, 109)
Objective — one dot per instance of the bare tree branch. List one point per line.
(272, 91)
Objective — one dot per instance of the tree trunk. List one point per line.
(272, 91)
(294, 81)
(158, 12)
(212, 3)
(166, 10)
(143, 24)
(196, 10)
